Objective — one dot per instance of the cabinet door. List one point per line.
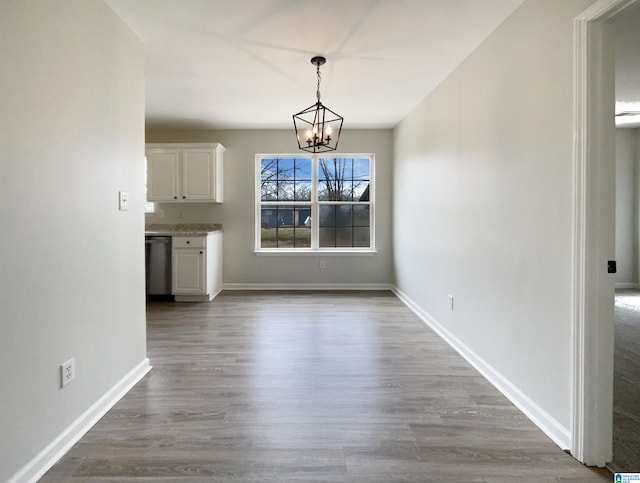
(188, 271)
(163, 168)
(198, 173)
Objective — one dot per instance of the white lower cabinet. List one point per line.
(196, 267)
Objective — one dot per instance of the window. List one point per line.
(314, 203)
(149, 206)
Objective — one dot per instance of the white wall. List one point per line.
(72, 265)
(486, 160)
(627, 206)
(237, 213)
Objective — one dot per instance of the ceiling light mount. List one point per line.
(317, 127)
(318, 60)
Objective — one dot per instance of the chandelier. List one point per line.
(317, 127)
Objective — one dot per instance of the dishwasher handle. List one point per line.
(157, 239)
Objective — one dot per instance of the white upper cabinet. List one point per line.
(163, 172)
(198, 169)
(185, 172)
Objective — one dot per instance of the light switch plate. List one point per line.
(124, 201)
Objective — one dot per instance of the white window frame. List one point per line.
(149, 206)
(315, 208)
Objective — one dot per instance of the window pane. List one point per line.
(269, 191)
(303, 170)
(302, 237)
(344, 237)
(268, 219)
(361, 215)
(300, 216)
(335, 179)
(327, 237)
(361, 169)
(362, 237)
(346, 191)
(268, 169)
(327, 215)
(344, 215)
(285, 190)
(284, 227)
(327, 168)
(335, 190)
(323, 192)
(344, 226)
(287, 216)
(360, 191)
(286, 168)
(303, 191)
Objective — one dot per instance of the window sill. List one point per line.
(267, 252)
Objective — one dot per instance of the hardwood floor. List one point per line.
(299, 387)
(626, 386)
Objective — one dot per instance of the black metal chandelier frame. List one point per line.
(317, 127)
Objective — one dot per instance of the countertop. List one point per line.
(182, 229)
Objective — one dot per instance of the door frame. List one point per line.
(593, 233)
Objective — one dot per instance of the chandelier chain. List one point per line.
(319, 78)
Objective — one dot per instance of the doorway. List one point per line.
(626, 375)
(594, 231)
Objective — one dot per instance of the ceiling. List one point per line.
(240, 64)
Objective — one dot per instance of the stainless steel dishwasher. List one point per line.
(158, 264)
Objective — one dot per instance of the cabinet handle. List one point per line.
(175, 197)
(184, 197)
(201, 252)
(188, 242)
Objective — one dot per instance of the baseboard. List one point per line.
(627, 285)
(196, 298)
(39, 465)
(558, 433)
(307, 286)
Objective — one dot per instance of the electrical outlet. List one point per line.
(322, 264)
(67, 372)
(450, 297)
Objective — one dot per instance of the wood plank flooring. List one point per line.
(626, 388)
(310, 387)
